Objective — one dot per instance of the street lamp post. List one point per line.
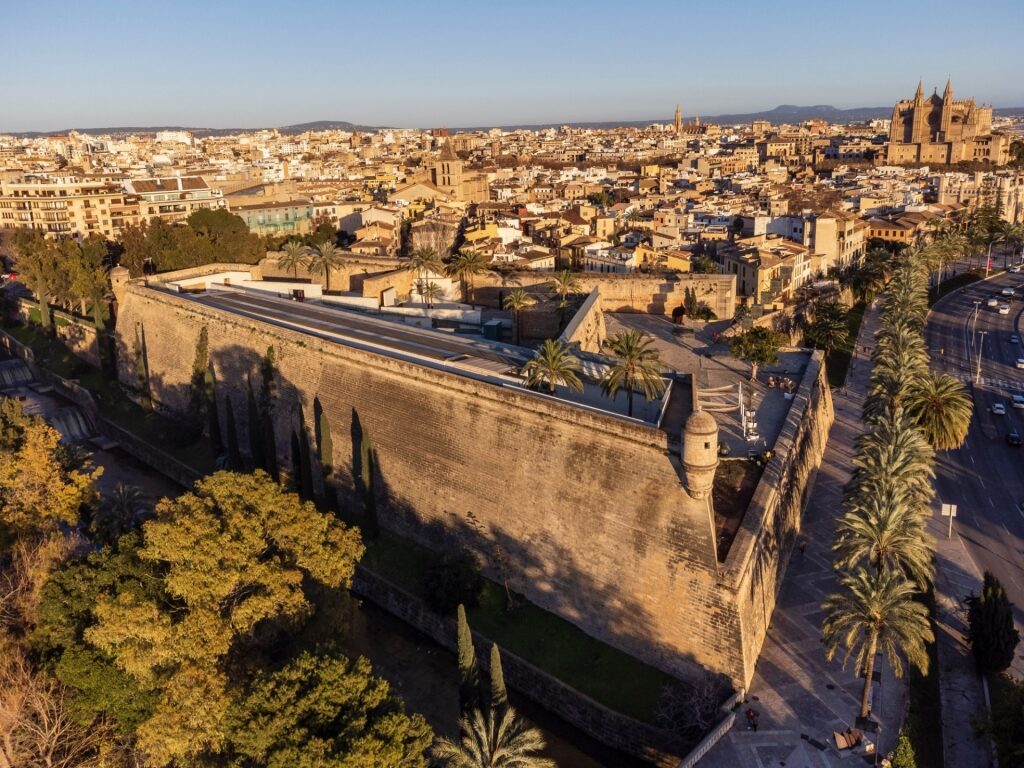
(981, 349)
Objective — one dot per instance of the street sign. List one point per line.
(949, 510)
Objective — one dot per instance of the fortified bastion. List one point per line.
(603, 520)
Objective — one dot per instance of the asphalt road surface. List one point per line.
(384, 335)
(985, 477)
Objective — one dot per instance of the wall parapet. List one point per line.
(586, 330)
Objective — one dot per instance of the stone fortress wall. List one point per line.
(589, 510)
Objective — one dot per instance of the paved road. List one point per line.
(384, 335)
(984, 477)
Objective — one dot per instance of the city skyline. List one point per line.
(485, 66)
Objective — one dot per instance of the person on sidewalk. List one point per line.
(752, 719)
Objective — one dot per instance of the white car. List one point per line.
(1004, 309)
(1020, 362)
(1008, 292)
(992, 303)
(1015, 268)
(1018, 401)
(998, 409)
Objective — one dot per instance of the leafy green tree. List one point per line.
(499, 696)
(636, 367)
(234, 556)
(98, 688)
(38, 263)
(875, 613)
(756, 347)
(518, 301)
(493, 740)
(830, 328)
(430, 291)
(942, 408)
(39, 490)
(451, 580)
(553, 364)
(322, 711)
(199, 384)
(469, 671)
(993, 636)
(703, 264)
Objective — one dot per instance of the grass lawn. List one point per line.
(923, 725)
(839, 359)
(114, 404)
(603, 673)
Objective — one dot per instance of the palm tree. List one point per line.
(119, 511)
(893, 458)
(872, 613)
(430, 292)
(464, 267)
(636, 367)
(293, 255)
(553, 364)
(829, 329)
(942, 408)
(517, 301)
(887, 534)
(561, 285)
(326, 256)
(425, 260)
(492, 740)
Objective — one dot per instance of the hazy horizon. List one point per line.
(257, 64)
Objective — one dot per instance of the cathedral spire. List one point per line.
(947, 95)
(919, 96)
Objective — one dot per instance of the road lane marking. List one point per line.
(980, 480)
(972, 458)
(991, 502)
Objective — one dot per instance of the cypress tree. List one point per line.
(324, 444)
(268, 393)
(197, 385)
(234, 454)
(368, 459)
(499, 696)
(991, 631)
(469, 674)
(213, 417)
(296, 464)
(142, 369)
(254, 424)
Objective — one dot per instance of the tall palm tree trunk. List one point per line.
(869, 671)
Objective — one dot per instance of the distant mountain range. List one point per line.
(784, 113)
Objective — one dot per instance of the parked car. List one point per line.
(998, 409)
(1018, 401)
(1008, 292)
(993, 303)
(1004, 309)
(1020, 362)
(1012, 438)
(1015, 268)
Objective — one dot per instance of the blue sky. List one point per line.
(228, 63)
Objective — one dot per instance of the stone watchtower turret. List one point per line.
(700, 454)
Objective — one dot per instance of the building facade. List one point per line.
(944, 131)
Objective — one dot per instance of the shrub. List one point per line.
(453, 579)
(904, 756)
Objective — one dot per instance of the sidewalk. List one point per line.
(801, 697)
(960, 687)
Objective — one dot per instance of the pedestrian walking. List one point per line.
(752, 719)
